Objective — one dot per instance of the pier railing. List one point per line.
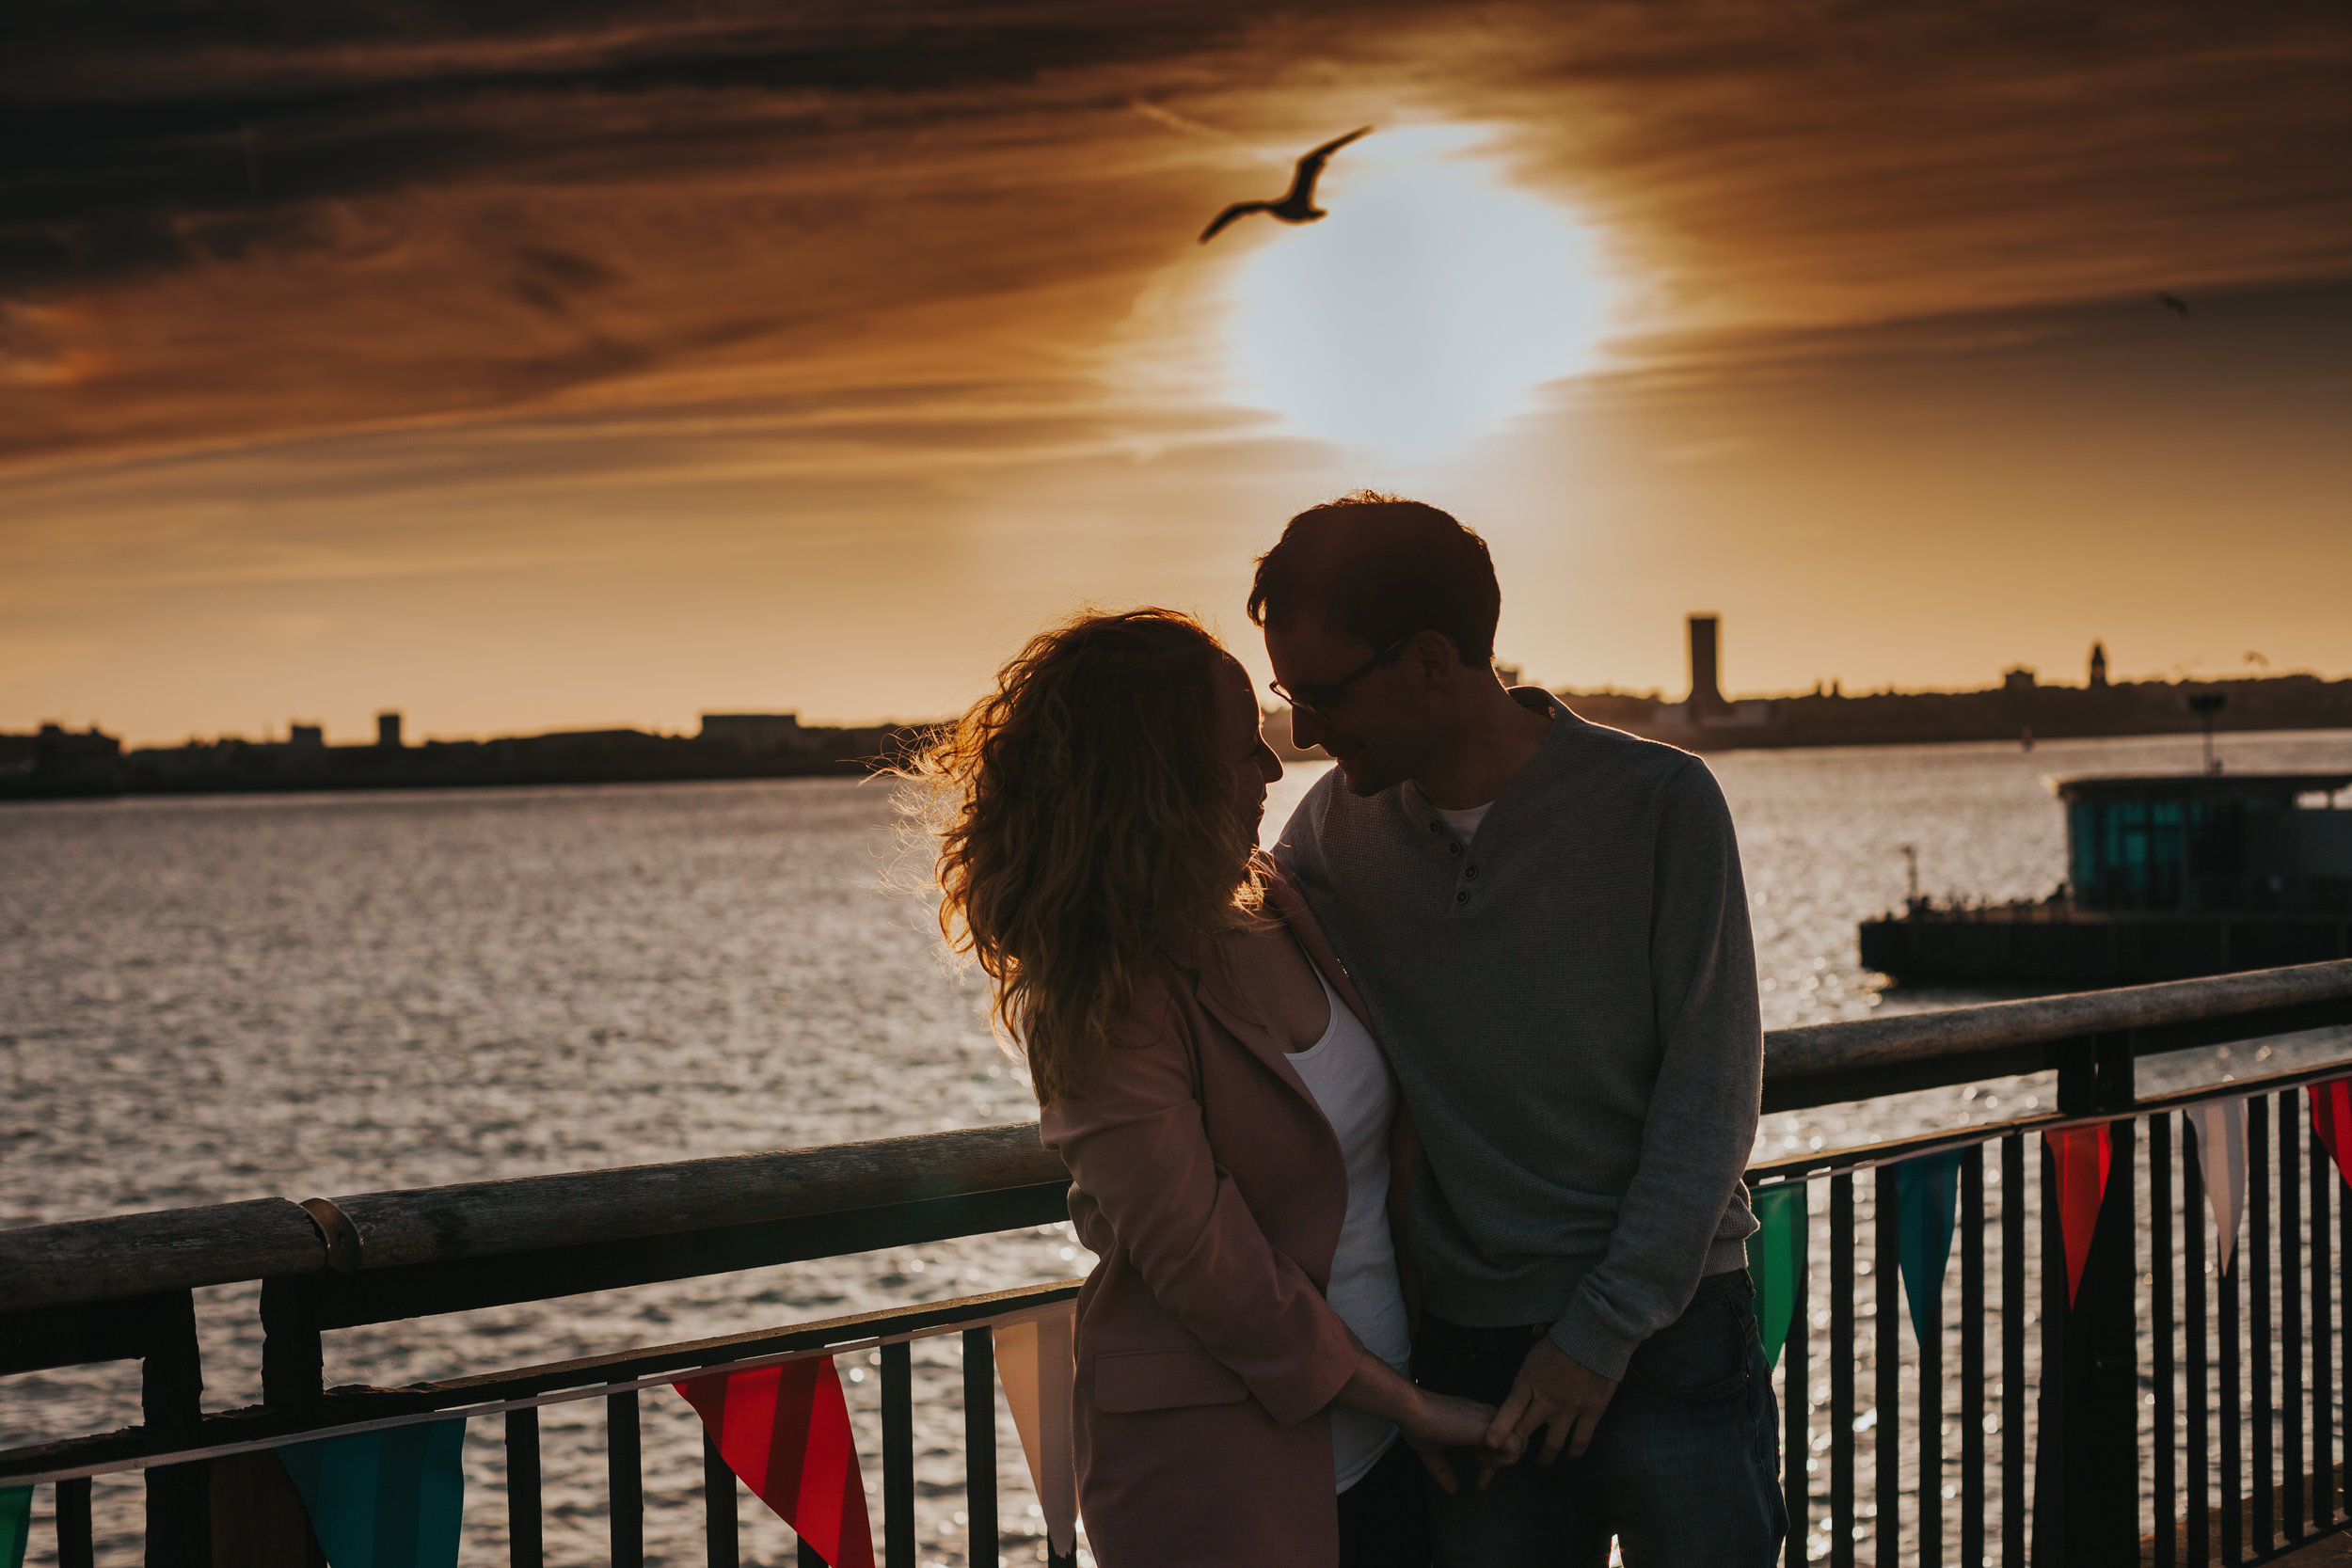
(2153, 1399)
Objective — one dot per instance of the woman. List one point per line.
(1206, 1072)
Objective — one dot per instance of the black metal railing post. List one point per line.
(171, 1401)
(624, 1478)
(897, 1484)
(1841, 1335)
(2087, 1458)
(2165, 1428)
(720, 1542)
(526, 1539)
(2013, 1404)
(979, 1445)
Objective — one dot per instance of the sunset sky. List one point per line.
(621, 361)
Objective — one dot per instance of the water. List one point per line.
(226, 998)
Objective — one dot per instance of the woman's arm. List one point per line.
(1431, 1422)
(1136, 1143)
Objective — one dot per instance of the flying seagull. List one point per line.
(1299, 205)
(2175, 304)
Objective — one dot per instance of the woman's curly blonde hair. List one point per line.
(1084, 817)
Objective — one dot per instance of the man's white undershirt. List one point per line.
(1465, 822)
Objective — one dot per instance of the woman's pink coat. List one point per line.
(1212, 1187)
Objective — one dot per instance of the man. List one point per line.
(1546, 920)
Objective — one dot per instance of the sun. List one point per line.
(1425, 310)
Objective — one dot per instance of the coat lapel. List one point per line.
(1232, 1007)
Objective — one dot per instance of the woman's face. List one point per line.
(1242, 743)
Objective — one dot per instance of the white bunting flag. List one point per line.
(1037, 1363)
(2221, 1159)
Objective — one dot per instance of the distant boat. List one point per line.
(2167, 877)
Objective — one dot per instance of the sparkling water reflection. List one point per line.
(218, 999)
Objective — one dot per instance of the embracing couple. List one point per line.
(1411, 1153)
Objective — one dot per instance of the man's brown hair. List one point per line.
(1379, 569)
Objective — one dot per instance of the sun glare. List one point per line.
(1426, 309)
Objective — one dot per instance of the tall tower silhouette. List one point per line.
(1706, 692)
(2098, 665)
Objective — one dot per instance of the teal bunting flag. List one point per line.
(16, 1523)
(1927, 1211)
(1776, 1261)
(384, 1499)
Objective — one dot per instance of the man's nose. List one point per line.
(1305, 728)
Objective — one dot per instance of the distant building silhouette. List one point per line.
(387, 730)
(752, 733)
(1707, 692)
(309, 736)
(2098, 665)
(2019, 679)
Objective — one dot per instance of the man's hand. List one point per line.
(1554, 1391)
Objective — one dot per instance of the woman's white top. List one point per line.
(1350, 1080)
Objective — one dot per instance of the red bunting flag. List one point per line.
(2331, 1118)
(2080, 1156)
(785, 1432)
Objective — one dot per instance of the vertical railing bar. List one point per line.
(2322, 1342)
(1796, 1419)
(1972, 1358)
(624, 1478)
(898, 1414)
(980, 1446)
(1887, 1489)
(2291, 1315)
(2230, 1413)
(719, 1544)
(2193, 1295)
(526, 1541)
(76, 1546)
(1841, 1338)
(2013, 1404)
(2165, 1514)
(2344, 1359)
(1931, 1444)
(2255, 1249)
(2052, 1434)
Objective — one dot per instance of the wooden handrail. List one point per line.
(86, 1260)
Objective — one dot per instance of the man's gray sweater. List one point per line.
(1569, 1002)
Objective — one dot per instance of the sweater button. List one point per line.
(1453, 848)
(1470, 873)
(1436, 826)
(1462, 897)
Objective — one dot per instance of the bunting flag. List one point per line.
(1927, 1209)
(2081, 1156)
(16, 1524)
(2221, 1158)
(384, 1499)
(1036, 1362)
(1776, 1261)
(785, 1432)
(2331, 1118)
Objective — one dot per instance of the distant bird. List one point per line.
(2175, 304)
(1299, 205)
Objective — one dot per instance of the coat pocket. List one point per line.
(1129, 1381)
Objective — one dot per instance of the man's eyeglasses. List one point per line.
(1323, 696)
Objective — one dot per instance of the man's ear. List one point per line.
(1433, 660)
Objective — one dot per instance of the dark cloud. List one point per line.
(231, 222)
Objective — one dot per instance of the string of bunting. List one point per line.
(384, 1499)
(2221, 1136)
(1776, 1261)
(2081, 1157)
(1927, 1211)
(16, 1524)
(785, 1432)
(2331, 1120)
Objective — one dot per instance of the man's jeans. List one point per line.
(1684, 1469)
